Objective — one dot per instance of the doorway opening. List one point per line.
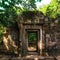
(32, 40)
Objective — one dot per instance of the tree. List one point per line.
(52, 10)
(10, 9)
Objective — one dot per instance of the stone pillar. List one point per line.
(41, 43)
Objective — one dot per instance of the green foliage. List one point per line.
(32, 37)
(11, 9)
(52, 10)
(44, 9)
(2, 30)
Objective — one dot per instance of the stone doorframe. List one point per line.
(23, 35)
(37, 31)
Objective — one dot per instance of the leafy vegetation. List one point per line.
(32, 37)
(52, 10)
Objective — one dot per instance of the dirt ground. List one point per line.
(29, 57)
